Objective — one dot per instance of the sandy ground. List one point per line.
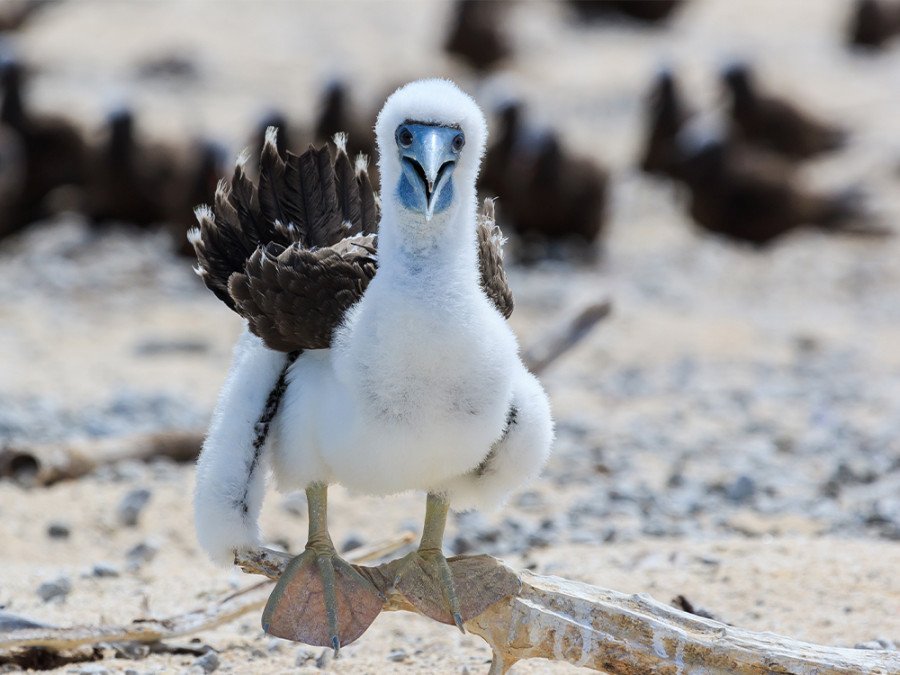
(722, 367)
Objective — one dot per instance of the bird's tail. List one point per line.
(230, 472)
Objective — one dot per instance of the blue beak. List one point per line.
(428, 156)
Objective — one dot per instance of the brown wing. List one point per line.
(292, 254)
(490, 261)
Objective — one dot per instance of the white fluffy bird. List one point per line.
(405, 379)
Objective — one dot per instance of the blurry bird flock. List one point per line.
(737, 175)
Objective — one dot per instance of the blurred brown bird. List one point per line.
(476, 33)
(557, 196)
(873, 23)
(194, 183)
(647, 11)
(128, 179)
(753, 196)
(774, 123)
(16, 13)
(337, 115)
(665, 115)
(51, 150)
(497, 170)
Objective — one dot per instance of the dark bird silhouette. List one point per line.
(476, 33)
(497, 170)
(751, 195)
(336, 114)
(666, 115)
(646, 11)
(194, 182)
(129, 179)
(558, 196)
(873, 23)
(775, 123)
(51, 150)
(16, 13)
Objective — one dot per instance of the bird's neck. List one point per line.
(420, 256)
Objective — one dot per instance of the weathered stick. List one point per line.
(561, 620)
(549, 348)
(48, 463)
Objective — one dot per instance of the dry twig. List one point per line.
(553, 345)
(49, 463)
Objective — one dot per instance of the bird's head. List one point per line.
(431, 137)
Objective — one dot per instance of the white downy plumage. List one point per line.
(423, 387)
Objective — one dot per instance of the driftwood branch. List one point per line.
(559, 341)
(48, 463)
(590, 627)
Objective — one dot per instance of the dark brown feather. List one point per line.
(490, 261)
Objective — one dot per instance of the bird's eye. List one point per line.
(458, 142)
(404, 137)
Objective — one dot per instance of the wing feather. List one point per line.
(490, 261)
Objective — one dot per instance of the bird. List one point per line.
(194, 181)
(646, 11)
(375, 354)
(873, 23)
(476, 33)
(750, 195)
(666, 115)
(17, 13)
(774, 123)
(129, 180)
(51, 149)
(561, 196)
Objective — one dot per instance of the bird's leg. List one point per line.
(321, 599)
(450, 591)
(424, 577)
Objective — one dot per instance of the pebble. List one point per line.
(57, 588)
(209, 662)
(93, 669)
(140, 554)
(58, 531)
(104, 570)
(398, 656)
(324, 659)
(129, 509)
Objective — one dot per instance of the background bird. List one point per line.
(775, 123)
(50, 148)
(408, 378)
(666, 114)
(476, 34)
(873, 23)
(753, 196)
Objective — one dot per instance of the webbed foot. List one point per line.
(321, 600)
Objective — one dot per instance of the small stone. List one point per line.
(129, 509)
(58, 531)
(130, 671)
(304, 656)
(140, 554)
(295, 504)
(397, 656)
(208, 662)
(134, 651)
(741, 489)
(93, 669)
(104, 570)
(877, 644)
(325, 658)
(57, 588)
(352, 541)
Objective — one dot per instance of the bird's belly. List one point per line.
(429, 399)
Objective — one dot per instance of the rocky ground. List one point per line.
(731, 433)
